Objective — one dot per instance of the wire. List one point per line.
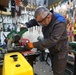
(1, 19)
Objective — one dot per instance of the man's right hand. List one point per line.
(28, 46)
(22, 28)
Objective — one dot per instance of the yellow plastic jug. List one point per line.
(15, 64)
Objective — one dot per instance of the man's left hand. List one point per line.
(28, 46)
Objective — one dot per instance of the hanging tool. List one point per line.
(13, 8)
(18, 7)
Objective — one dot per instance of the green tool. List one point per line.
(14, 32)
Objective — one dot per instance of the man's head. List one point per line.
(43, 16)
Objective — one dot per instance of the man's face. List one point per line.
(43, 21)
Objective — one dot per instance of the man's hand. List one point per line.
(28, 46)
(22, 28)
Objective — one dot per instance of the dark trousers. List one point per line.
(42, 56)
(58, 65)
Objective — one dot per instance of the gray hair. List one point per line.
(41, 11)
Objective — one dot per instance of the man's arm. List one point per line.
(53, 39)
(31, 23)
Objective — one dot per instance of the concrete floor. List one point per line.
(41, 68)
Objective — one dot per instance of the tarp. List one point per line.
(64, 1)
(52, 3)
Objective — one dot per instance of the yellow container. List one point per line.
(16, 65)
(74, 31)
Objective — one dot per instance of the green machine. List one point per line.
(73, 46)
(14, 36)
(13, 32)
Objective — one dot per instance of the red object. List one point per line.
(28, 52)
(18, 2)
(24, 41)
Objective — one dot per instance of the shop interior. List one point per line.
(14, 14)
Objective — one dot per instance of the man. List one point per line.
(55, 37)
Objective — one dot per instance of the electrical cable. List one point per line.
(1, 18)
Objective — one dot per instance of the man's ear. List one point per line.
(48, 16)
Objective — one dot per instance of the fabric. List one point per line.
(58, 65)
(60, 18)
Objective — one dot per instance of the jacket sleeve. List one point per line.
(31, 23)
(53, 38)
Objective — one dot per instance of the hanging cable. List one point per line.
(13, 8)
(1, 18)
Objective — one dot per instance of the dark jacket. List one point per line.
(55, 35)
